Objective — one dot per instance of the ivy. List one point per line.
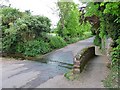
(112, 8)
(109, 17)
(92, 9)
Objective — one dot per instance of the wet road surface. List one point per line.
(91, 77)
(31, 74)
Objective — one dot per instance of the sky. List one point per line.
(38, 7)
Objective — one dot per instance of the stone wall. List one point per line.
(82, 58)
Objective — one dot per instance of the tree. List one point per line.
(69, 19)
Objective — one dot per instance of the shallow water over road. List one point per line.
(31, 74)
(52, 64)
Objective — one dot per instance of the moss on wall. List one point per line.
(83, 57)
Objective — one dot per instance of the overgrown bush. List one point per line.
(112, 80)
(9, 15)
(112, 26)
(115, 55)
(73, 40)
(57, 42)
(33, 48)
(9, 43)
(21, 30)
(87, 34)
